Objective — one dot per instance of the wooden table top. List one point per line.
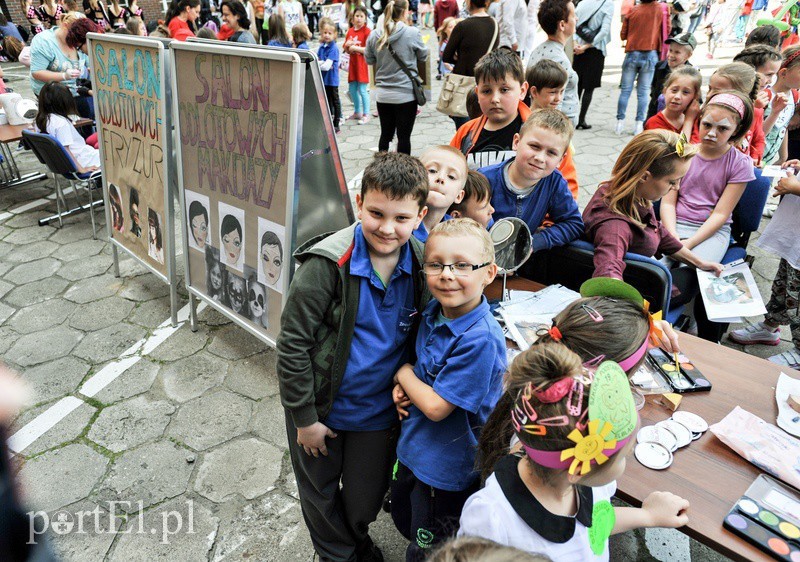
(12, 133)
(707, 473)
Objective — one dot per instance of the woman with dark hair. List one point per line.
(133, 209)
(56, 105)
(231, 238)
(59, 55)
(114, 198)
(180, 15)
(156, 245)
(215, 275)
(198, 223)
(235, 15)
(470, 40)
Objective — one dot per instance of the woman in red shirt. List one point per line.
(358, 75)
(180, 13)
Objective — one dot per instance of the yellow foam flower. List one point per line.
(589, 447)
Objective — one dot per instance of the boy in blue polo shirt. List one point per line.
(531, 188)
(450, 392)
(344, 334)
(447, 176)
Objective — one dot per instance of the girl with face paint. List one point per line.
(271, 257)
(198, 224)
(231, 236)
(215, 275)
(237, 289)
(699, 214)
(257, 302)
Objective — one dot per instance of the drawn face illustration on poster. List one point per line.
(133, 211)
(117, 220)
(155, 238)
(231, 236)
(270, 253)
(237, 294)
(215, 275)
(197, 214)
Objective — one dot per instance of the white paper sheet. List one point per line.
(732, 294)
(787, 386)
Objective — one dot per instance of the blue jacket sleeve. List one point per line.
(567, 221)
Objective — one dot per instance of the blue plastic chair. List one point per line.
(58, 160)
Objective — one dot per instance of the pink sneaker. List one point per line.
(355, 117)
(756, 334)
(364, 120)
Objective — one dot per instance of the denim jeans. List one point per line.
(639, 66)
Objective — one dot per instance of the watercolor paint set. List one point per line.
(768, 516)
(681, 374)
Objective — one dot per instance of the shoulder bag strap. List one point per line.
(494, 36)
(402, 65)
(602, 2)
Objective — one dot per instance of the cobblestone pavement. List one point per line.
(191, 433)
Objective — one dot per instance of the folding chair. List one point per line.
(52, 154)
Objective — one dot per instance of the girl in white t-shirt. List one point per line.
(292, 13)
(576, 427)
(56, 110)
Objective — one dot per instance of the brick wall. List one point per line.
(153, 10)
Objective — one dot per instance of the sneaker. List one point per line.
(364, 120)
(355, 117)
(620, 127)
(769, 210)
(337, 129)
(639, 127)
(789, 358)
(756, 334)
(375, 113)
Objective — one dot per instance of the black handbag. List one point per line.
(416, 81)
(585, 31)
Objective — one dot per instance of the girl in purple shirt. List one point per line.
(700, 213)
(620, 218)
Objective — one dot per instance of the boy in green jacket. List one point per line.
(345, 331)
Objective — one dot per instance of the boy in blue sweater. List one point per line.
(449, 393)
(328, 55)
(530, 187)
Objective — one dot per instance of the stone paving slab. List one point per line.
(128, 424)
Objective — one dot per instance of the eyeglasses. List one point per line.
(460, 269)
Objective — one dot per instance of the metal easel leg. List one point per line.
(115, 255)
(192, 312)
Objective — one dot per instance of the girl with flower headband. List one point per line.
(576, 426)
(620, 217)
(699, 214)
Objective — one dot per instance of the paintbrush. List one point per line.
(677, 365)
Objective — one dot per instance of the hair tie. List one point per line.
(555, 333)
(788, 60)
(729, 100)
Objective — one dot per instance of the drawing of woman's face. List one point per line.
(152, 233)
(232, 245)
(216, 277)
(271, 262)
(200, 231)
(257, 300)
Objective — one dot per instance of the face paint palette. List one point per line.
(683, 377)
(768, 516)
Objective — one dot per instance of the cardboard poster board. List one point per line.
(237, 146)
(131, 93)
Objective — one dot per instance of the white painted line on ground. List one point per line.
(43, 423)
(48, 419)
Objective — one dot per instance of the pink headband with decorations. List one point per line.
(729, 100)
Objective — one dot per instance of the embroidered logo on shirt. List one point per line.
(424, 538)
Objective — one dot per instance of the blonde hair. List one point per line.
(326, 22)
(394, 11)
(742, 77)
(478, 549)
(551, 120)
(426, 154)
(465, 227)
(69, 18)
(685, 71)
(440, 33)
(652, 151)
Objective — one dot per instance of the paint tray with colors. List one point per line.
(683, 376)
(768, 516)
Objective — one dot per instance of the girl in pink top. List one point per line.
(699, 214)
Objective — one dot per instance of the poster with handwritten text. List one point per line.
(234, 120)
(128, 97)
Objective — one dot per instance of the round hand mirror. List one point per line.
(512, 243)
